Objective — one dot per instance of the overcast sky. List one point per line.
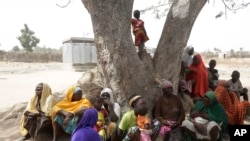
(53, 24)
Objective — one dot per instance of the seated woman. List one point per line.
(84, 130)
(113, 109)
(36, 114)
(208, 119)
(66, 113)
(128, 129)
(184, 95)
(168, 109)
(198, 73)
(187, 56)
(183, 77)
(235, 109)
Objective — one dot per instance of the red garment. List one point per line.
(101, 122)
(139, 31)
(200, 75)
(104, 112)
(234, 108)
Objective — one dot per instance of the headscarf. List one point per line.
(67, 105)
(133, 99)
(234, 108)
(84, 130)
(215, 111)
(110, 92)
(89, 119)
(46, 92)
(200, 76)
(116, 106)
(77, 89)
(166, 84)
(31, 107)
(186, 58)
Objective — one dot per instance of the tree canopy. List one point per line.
(27, 39)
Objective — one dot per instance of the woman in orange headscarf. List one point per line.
(234, 108)
(198, 73)
(66, 113)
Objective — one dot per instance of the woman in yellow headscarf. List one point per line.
(65, 114)
(36, 113)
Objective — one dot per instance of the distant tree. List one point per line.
(231, 51)
(217, 50)
(241, 49)
(45, 49)
(27, 39)
(16, 48)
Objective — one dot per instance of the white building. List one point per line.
(79, 53)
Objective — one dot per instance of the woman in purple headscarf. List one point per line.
(84, 130)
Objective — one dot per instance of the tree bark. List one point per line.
(175, 35)
(120, 67)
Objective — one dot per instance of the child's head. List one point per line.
(142, 110)
(212, 64)
(137, 14)
(97, 102)
(235, 75)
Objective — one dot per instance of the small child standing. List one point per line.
(102, 117)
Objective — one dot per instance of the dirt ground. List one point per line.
(18, 80)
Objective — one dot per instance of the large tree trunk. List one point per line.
(118, 62)
(175, 35)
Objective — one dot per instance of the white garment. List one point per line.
(116, 106)
(186, 58)
(189, 125)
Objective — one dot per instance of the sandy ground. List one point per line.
(18, 81)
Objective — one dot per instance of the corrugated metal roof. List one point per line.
(78, 40)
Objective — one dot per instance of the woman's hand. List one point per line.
(155, 134)
(107, 102)
(33, 115)
(168, 123)
(200, 128)
(67, 117)
(204, 115)
(195, 114)
(80, 111)
(66, 121)
(171, 124)
(164, 122)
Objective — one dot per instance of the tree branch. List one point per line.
(154, 7)
(63, 6)
(240, 6)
